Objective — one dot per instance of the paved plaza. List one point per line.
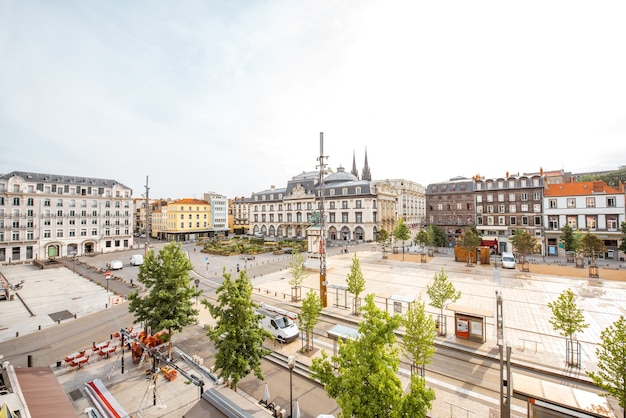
(525, 297)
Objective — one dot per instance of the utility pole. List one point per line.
(147, 221)
(322, 249)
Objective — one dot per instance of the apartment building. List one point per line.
(586, 206)
(239, 215)
(219, 214)
(181, 220)
(47, 215)
(507, 204)
(411, 201)
(450, 206)
(355, 210)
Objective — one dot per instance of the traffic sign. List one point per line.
(107, 274)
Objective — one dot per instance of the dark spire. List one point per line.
(366, 170)
(355, 172)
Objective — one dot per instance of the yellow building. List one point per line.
(182, 220)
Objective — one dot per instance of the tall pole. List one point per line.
(322, 249)
(147, 220)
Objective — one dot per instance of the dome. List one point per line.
(340, 176)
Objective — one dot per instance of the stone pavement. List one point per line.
(525, 296)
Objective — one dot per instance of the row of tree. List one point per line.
(363, 376)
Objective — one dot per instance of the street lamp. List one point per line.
(291, 362)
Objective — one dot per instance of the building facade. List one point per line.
(219, 214)
(355, 210)
(46, 215)
(585, 206)
(181, 220)
(411, 197)
(450, 206)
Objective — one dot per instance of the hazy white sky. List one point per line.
(231, 96)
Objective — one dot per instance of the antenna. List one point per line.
(322, 249)
(145, 251)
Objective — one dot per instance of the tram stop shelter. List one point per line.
(470, 323)
(547, 399)
(341, 332)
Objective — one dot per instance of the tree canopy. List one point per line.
(622, 245)
(423, 238)
(568, 239)
(470, 240)
(168, 304)
(402, 233)
(419, 337)
(591, 246)
(442, 291)
(567, 318)
(383, 238)
(523, 242)
(611, 352)
(309, 316)
(356, 282)
(366, 383)
(237, 335)
(298, 270)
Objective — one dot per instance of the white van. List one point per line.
(508, 261)
(279, 323)
(136, 260)
(116, 265)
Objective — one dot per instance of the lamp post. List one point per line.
(291, 362)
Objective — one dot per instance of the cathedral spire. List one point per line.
(366, 169)
(354, 171)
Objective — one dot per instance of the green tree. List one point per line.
(568, 239)
(298, 274)
(356, 283)
(592, 246)
(383, 239)
(366, 383)
(237, 335)
(423, 239)
(611, 353)
(440, 292)
(523, 242)
(438, 234)
(420, 332)
(470, 240)
(567, 319)
(168, 303)
(402, 233)
(622, 245)
(309, 316)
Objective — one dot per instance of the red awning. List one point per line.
(489, 243)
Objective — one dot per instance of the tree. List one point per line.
(567, 319)
(309, 315)
(438, 234)
(469, 241)
(423, 239)
(402, 233)
(298, 273)
(168, 304)
(419, 336)
(440, 292)
(568, 239)
(592, 246)
(622, 246)
(383, 239)
(523, 243)
(365, 382)
(611, 353)
(356, 283)
(237, 335)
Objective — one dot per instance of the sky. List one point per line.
(189, 97)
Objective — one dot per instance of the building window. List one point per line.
(572, 222)
(479, 209)
(489, 198)
(489, 220)
(571, 202)
(512, 197)
(591, 202)
(501, 220)
(537, 208)
(479, 198)
(512, 220)
(331, 217)
(611, 202)
(512, 208)
(536, 196)
(358, 217)
(525, 220)
(590, 221)
(344, 204)
(537, 220)
(357, 204)
(489, 208)
(501, 209)
(344, 217)
(611, 222)
(524, 196)
(332, 205)
(553, 223)
(479, 220)
(524, 208)
(552, 203)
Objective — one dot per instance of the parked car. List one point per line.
(508, 261)
(136, 260)
(116, 265)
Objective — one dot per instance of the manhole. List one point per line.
(61, 315)
(76, 395)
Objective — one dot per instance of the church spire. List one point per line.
(366, 169)
(354, 171)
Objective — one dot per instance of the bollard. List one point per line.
(74, 316)
(17, 333)
(30, 360)
(58, 321)
(39, 327)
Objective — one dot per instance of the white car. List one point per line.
(136, 260)
(116, 265)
